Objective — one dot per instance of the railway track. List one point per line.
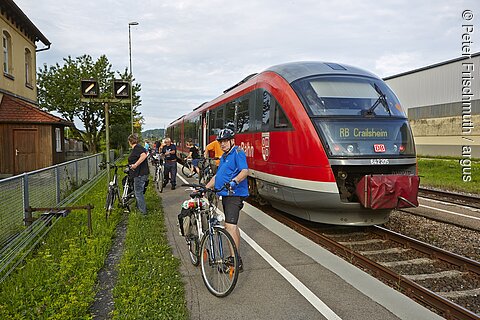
(451, 197)
(440, 280)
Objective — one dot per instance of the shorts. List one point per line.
(231, 207)
(195, 162)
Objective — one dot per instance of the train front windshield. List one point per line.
(356, 116)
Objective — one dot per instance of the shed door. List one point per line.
(25, 150)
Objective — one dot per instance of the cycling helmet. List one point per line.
(225, 134)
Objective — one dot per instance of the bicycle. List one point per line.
(209, 244)
(158, 177)
(114, 191)
(207, 169)
(188, 169)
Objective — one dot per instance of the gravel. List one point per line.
(455, 239)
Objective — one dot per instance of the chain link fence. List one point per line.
(46, 187)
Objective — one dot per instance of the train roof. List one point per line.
(296, 70)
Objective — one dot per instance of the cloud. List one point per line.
(395, 63)
(188, 51)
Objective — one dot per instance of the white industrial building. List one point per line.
(443, 106)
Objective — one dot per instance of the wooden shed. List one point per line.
(30, 138)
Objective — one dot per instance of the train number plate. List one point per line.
(379, 147)
(379, 161)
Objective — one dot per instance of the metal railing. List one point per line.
(46, 187)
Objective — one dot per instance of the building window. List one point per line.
(7, 53)
(58, 139)
(28, 68)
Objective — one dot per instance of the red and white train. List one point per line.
(311, 132)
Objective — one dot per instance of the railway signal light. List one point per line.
(121, 89)
(90, 88)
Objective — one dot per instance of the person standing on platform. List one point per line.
(139, 171)
(233, 172)
(169, 150)
(214, 147)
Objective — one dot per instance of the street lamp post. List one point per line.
(133, 23)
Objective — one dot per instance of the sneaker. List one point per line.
(173, 187)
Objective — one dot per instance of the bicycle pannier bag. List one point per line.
(185, 222)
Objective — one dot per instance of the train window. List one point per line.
(366, 137)
(218, 120)
(280, 119)
(352, 96)
(266, 103)
(211, 121)
(230, 115)
(243, 116)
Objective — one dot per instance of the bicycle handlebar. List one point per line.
(202, 188)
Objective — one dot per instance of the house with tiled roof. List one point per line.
(30, 138)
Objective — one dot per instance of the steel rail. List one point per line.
(452, 197)
(445, 307)
(436, 253)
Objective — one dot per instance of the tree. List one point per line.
(59, 90)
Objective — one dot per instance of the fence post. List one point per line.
(76, 173)
(57, 182)
(26, 201)
(88, 168)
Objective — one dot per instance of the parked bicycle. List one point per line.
(209, 244)
(188, 169)
(113, 192)
(207, 169)
(159, 171)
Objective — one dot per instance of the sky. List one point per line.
(186, 52)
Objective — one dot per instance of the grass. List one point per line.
(448, 174)
(58, 280)
(149, 284)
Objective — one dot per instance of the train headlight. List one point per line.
(395, 148)
(350, 148)
(402, 148)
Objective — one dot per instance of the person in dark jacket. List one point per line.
(138, 170)
(169, 150)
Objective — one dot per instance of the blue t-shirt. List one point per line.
(230, 166)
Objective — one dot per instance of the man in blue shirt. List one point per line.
(233, 170)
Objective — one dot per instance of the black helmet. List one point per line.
(225, 134)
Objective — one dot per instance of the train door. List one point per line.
(203, 136)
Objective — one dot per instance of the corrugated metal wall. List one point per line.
(437, 85)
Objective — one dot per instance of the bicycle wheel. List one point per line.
(155, 179)
(205, 176)
(219, 271)
(160, 181)
(109, 202)
(193, 244)
(187, 170)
